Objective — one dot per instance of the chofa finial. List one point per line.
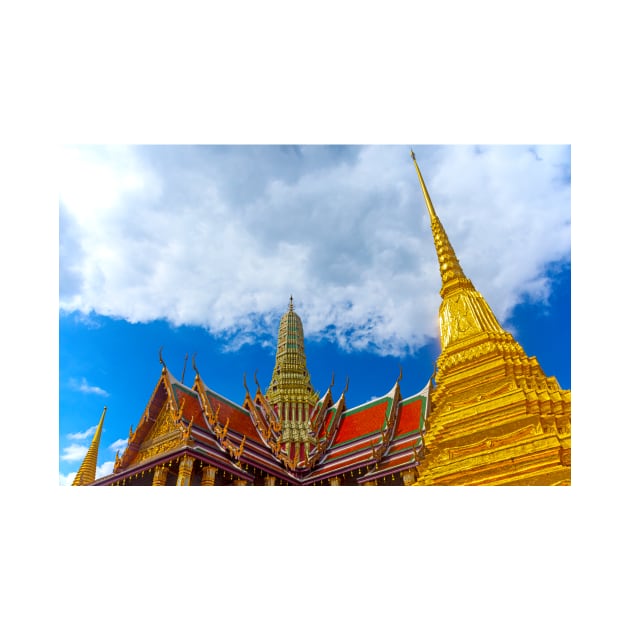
(256, 380)
(245, 383)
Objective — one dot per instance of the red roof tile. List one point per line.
(410, 416)
(362, 421)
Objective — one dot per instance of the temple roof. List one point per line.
(234, 437)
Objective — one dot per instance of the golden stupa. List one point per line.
(495, 417)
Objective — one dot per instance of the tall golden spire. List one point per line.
(290, 390)
(87, 472)
(464, 311)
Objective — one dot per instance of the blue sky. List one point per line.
(197, 249)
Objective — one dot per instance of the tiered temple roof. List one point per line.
(368, 443)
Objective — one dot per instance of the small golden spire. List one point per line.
(291, 303)
(87, 471)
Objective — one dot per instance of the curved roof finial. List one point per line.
(332, 381)
(399, 375)
(161, 359)
(245, 383)
(345, 389)
(256, 379)
(194, 364)
(184, 370)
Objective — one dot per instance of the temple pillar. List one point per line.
(208, 475)
(270, 480)
(185, 470)
(334, 481)
(409, 476)
(159, 476)
(240, 482)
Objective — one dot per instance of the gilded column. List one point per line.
(270, 480)
(159, 476)
(240, 482)
(185, 470)
(409, 477)
(334, 481)
(208, 475)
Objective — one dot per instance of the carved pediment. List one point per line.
(165, 435)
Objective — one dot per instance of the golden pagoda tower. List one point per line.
(495, 418)
(87, 472)
(290, 392)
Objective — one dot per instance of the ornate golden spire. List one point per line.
(290, 390)
(463, 311)
(291, 381)
(87, 472)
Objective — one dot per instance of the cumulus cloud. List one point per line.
(66, 480)
(221, 236)
(104, 469)
(118, 445)
(82, 435)
(81, 385)
(74, 453)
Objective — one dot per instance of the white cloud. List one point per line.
(66, 480)
(118, 445)
(74, 453)
(82, 435)
(83, 386)
(104, 469)
(221, 236)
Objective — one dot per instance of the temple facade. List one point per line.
(488, 416)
